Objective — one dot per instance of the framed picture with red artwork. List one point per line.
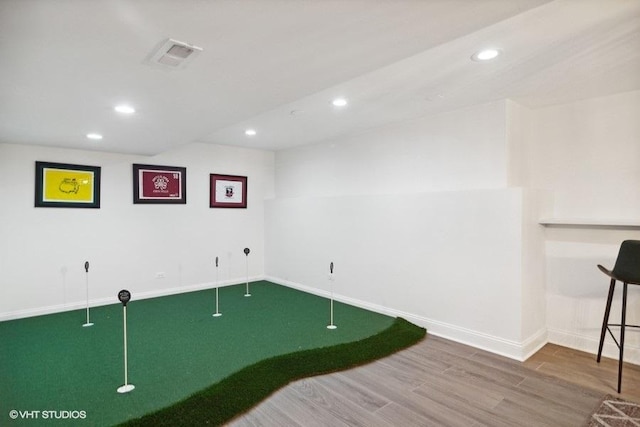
(227, 191)
(155, 184)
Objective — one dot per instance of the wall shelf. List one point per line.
(588, 223)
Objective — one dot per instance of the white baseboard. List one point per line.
(511, 349)
(77, 305)
(518, 350)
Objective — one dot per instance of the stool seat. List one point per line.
(627, 271)
(614, 276)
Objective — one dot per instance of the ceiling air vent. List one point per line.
(174, 54)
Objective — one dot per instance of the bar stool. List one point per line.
(627, 271)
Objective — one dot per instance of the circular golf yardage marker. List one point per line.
(124, 296)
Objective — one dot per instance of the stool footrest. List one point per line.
(626, 326)
(613, 336)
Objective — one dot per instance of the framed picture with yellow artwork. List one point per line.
(62, 185)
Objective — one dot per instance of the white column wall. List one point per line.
(536, 204)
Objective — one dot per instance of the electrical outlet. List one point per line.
(160, 275)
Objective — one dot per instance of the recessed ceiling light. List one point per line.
(250, 132)
(94, 136)
(339, 102)
(125, 109)
(485, 55)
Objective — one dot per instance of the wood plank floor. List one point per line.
(442, 383)
(581, 368)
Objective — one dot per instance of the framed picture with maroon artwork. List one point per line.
(227, 191)
(153, 184)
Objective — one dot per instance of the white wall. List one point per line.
(587, 154)
(419, 221)
(460, 150)
(43, 250)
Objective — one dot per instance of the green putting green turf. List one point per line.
(177, 350)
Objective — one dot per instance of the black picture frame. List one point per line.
(155, 184)
(65, 185)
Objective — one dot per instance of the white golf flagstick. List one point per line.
(217, 313)
(124, 296)
(86, 269)
(331, 325)
(246, 252)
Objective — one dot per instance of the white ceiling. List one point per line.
(64, 64)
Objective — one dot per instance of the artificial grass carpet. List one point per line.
(242, 390)
(176, 349)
